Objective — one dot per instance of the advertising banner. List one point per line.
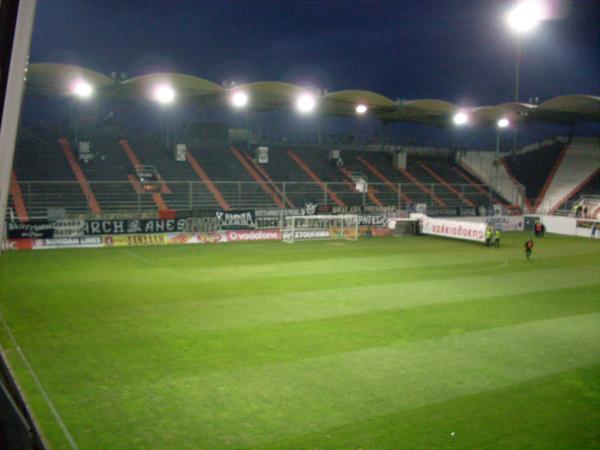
(135, 240)
(125, 226)
(18, 244)
(236, 220)
(16, 229)
(307, 234)
(503, 223)
(74, 242)
(470, 231)
(254, 235)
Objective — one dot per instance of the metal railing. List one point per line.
(121, 196)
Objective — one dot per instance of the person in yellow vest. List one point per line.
(497, 238)
(488, 236)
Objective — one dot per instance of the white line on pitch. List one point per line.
(38, 383)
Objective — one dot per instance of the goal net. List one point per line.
(404, 227)
(302, 228)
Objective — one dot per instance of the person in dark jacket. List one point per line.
(528, 248)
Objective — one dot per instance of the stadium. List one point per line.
(191, 263)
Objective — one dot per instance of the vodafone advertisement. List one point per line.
(470, 231)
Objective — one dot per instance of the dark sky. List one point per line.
(458, 50)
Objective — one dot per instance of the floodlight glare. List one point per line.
(460, 118)
(525, 16)
(164, 94)
(306, 103)
(361, 109)
(239, 99)
(503, 123)
(82, 89)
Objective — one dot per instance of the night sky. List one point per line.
(461, 51)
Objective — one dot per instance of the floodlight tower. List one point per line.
(500, 125)
(522, 19)
(164, 94)
(239, 100)
(81, 91)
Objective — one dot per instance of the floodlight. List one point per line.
(306, 103)
(239, 99)
(82, 89)
(503, 122)
(460, 118)
(164, 93)
(361, 109)
(525, 16)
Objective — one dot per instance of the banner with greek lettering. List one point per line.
(145, 226)
(236, 220)
(470, 231)
(39, 229)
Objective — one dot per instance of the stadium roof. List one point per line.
(57, 80)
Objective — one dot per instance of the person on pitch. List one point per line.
(488, 236)
(497, 238)
(528, 248)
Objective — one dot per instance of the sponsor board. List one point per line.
(211, 237)
(255, 235)
(18, 244)
(135, 240)
(66, 242)
(470, 231)
(306, 234)
(504, 223)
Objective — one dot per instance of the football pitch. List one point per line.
(383, 343)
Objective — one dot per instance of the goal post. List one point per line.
(320, 227)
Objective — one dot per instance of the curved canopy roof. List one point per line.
(345, 102)
(58, 80)
(186, 86)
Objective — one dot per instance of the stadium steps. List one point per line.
(295, 183)
(109, 175)
(330, 194)
(268, 178)
(384, 164)
(443, 182)
(535, 168)
(17, 197)
(80, 176)
(264, 184)
(481, 165)
(317, 159)
(237, 187)
(580, 165)
(384, 179)
(135, 162)
(427, 191)
(486, 194)
(178, 177)
(370, 191)
(208, 182)
(550, 177)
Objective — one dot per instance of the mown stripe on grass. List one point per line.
(192, 351)
(250, 406)
(555, 412)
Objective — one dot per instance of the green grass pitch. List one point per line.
(384, 343)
